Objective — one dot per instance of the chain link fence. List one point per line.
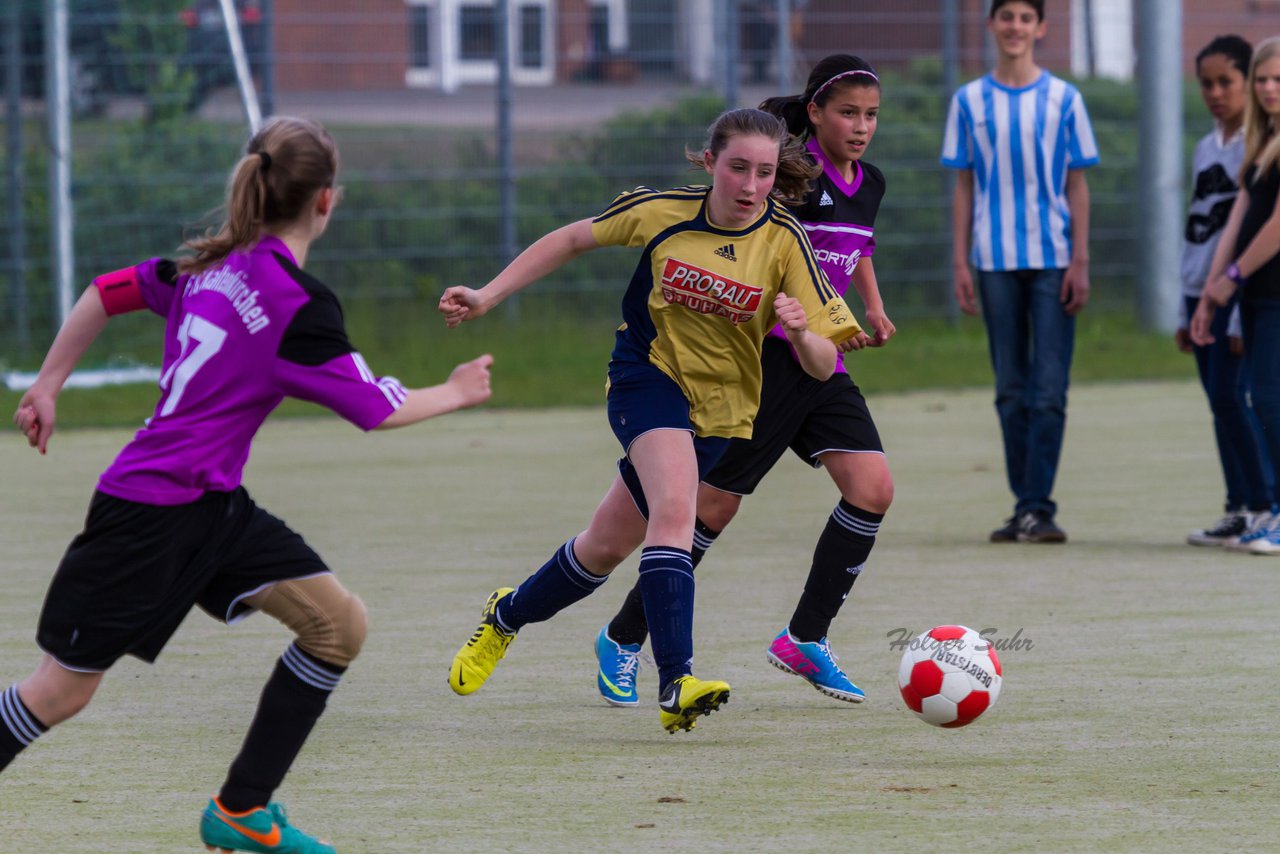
(606, 95)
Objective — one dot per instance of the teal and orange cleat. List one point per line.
(263, 829)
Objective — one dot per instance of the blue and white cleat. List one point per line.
(619, 665)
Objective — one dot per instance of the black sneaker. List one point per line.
(1230, 526)
(1036, 526)
(1007, 533)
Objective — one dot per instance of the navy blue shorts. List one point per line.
(130, 578)
(643, 398)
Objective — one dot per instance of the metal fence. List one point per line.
(605, 95)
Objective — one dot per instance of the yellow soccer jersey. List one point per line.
(701, 298)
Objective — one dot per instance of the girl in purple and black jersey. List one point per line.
(825, 422)
(170, 525)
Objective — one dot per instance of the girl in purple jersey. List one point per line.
(170, 526)
(825, 422)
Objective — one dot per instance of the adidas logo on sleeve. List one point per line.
(726, 251)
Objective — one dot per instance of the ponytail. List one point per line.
(795, 168)
(827, 77)
(272, 186)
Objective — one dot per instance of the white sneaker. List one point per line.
(1263, 525)
(1266, 545)
(1230, 526)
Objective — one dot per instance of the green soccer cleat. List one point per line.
(687, 699)
(264, 829)
(477, 659)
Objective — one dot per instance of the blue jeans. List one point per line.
(1260, 322)
(1031, 339)
(1249, 485)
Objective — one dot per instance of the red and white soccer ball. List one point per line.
(949, 676)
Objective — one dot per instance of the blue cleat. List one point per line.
(616, 675)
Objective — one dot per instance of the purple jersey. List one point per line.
(839, 217)
(240, 337)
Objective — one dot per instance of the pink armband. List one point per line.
(120, 291)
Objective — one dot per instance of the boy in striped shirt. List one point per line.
(1020, 139)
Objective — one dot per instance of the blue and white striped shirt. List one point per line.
(1019, 144)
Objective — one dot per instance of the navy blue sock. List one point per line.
(628, 625)
(558, 584)
(18, 727)
(838, 559)
(666, 582)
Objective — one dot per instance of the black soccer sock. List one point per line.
(18, 726)
(629, 626)
(291, 703)
(703, 539)
(838, 559)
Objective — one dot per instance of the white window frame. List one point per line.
(448, 70)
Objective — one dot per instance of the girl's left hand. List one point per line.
(459, 304)
(790, 312)
(881, 327)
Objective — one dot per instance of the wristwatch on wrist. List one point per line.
(1233, 273)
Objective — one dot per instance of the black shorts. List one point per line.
(807, 415)
(130, 578)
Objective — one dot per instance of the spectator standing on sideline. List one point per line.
(1021, 140)
(1247, 261)
(1221, 68)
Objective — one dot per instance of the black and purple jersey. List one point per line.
(839, 217)
(240, 337)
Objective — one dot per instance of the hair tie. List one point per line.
(266, 160)
(842, 74)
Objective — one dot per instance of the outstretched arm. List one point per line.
(468, 385)
(547, 254)
(37, 410)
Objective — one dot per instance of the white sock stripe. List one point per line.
(702, 541)
(853, 523)
(308, 671)
(666, 560)
(16, 718)
(659, 553)
(575, 568)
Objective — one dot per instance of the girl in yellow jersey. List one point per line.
(720, 266)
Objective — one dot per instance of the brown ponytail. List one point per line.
(272, 186)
